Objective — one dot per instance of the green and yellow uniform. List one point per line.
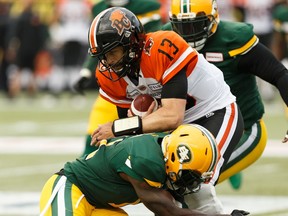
(224, 49)
(92, 183)
(148, 12)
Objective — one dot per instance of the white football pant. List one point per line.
(205, 200)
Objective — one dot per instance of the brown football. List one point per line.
(141, 104)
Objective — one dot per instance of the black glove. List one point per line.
(237, 212)
(285, 139)
(81, 84)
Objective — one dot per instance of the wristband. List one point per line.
(127, 126)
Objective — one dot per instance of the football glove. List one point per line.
(237, 212)
(83, 81)
(285, 139)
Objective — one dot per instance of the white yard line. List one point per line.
(29, 170)
(65, 145)
(41, 145)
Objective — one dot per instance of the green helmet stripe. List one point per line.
(213, 144)
(185, 6)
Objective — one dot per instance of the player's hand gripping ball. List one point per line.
(141, 104)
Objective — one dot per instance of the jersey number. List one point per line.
(166, 42)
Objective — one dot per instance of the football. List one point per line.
(141, 104)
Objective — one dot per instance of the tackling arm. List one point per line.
(262, 63)
(173, 104)
(157, 200)
(161, 202)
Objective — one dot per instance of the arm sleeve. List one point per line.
(262, 63)
(122, 112)
(178, 84)
(90, 63)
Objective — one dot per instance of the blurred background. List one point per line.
(43, 44)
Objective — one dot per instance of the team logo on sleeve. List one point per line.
(119, 21)
(184, 153)
(148, 45)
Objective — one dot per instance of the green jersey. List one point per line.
(224, 49)
(148, 12)
(139, 156)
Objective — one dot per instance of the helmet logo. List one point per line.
(120, 21)
(184, 153)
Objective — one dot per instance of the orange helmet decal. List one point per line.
(120, 21)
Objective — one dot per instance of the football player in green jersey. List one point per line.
(132, 169)
(148, 11)
(235, 49)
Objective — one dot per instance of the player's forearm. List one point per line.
(164, 119)
(162, 203)
(282, 87)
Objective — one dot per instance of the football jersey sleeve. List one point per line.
(165, 54)
(239, 45)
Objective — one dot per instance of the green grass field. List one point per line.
(265, 177)
(68, 117)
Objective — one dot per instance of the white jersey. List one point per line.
(207, 86)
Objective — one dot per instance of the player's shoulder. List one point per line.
(152, 140)
(166, 41)
(139, 7)
(146, 158)
(236, 37)
(236, 31)
(167, 26)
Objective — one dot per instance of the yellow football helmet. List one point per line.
(194, 20)
(191, 154)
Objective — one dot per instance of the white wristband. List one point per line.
(127, 126)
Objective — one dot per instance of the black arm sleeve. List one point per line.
(176, 87)
(122, 112)
(261, 62)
